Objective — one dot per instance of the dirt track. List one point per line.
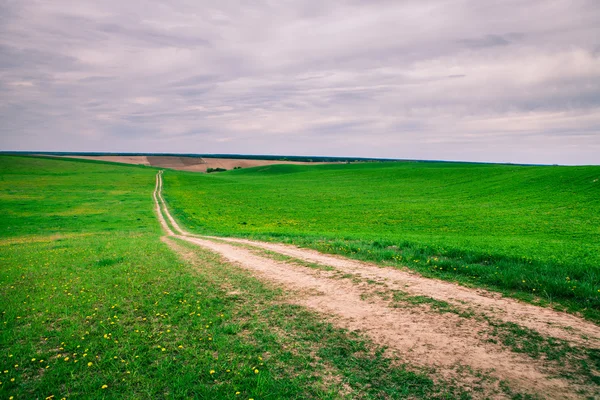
(457, 344)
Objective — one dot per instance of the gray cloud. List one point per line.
(486, 41)
(501, 80)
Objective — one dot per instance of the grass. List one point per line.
(40, 196)
(528, 231)
(94, 305)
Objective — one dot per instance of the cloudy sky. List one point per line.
(480, 80)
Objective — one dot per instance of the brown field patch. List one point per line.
(138, 160)
(192, 164)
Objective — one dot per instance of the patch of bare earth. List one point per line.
(230, 163)
(192, 164)
(457, 348)
(137, 160)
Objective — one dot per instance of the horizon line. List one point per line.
(268, 157)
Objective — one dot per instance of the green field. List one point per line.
(528, 231)
(94, 305)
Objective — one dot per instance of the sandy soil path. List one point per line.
(352, 295)
(549, 322)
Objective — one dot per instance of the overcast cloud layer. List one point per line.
(493, 80)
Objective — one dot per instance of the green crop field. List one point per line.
(95, 305)
(528, 231)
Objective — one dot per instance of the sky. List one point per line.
(476, 80)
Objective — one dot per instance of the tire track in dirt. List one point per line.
(543, 320)
(446, 342)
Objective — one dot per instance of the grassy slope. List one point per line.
(94, 305)
(43, 196)
(525, 230)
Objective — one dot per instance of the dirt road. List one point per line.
(467, 335)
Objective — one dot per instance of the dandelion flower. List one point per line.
(104, 386)
(212, 371)
(256, 371)
(90, 364)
